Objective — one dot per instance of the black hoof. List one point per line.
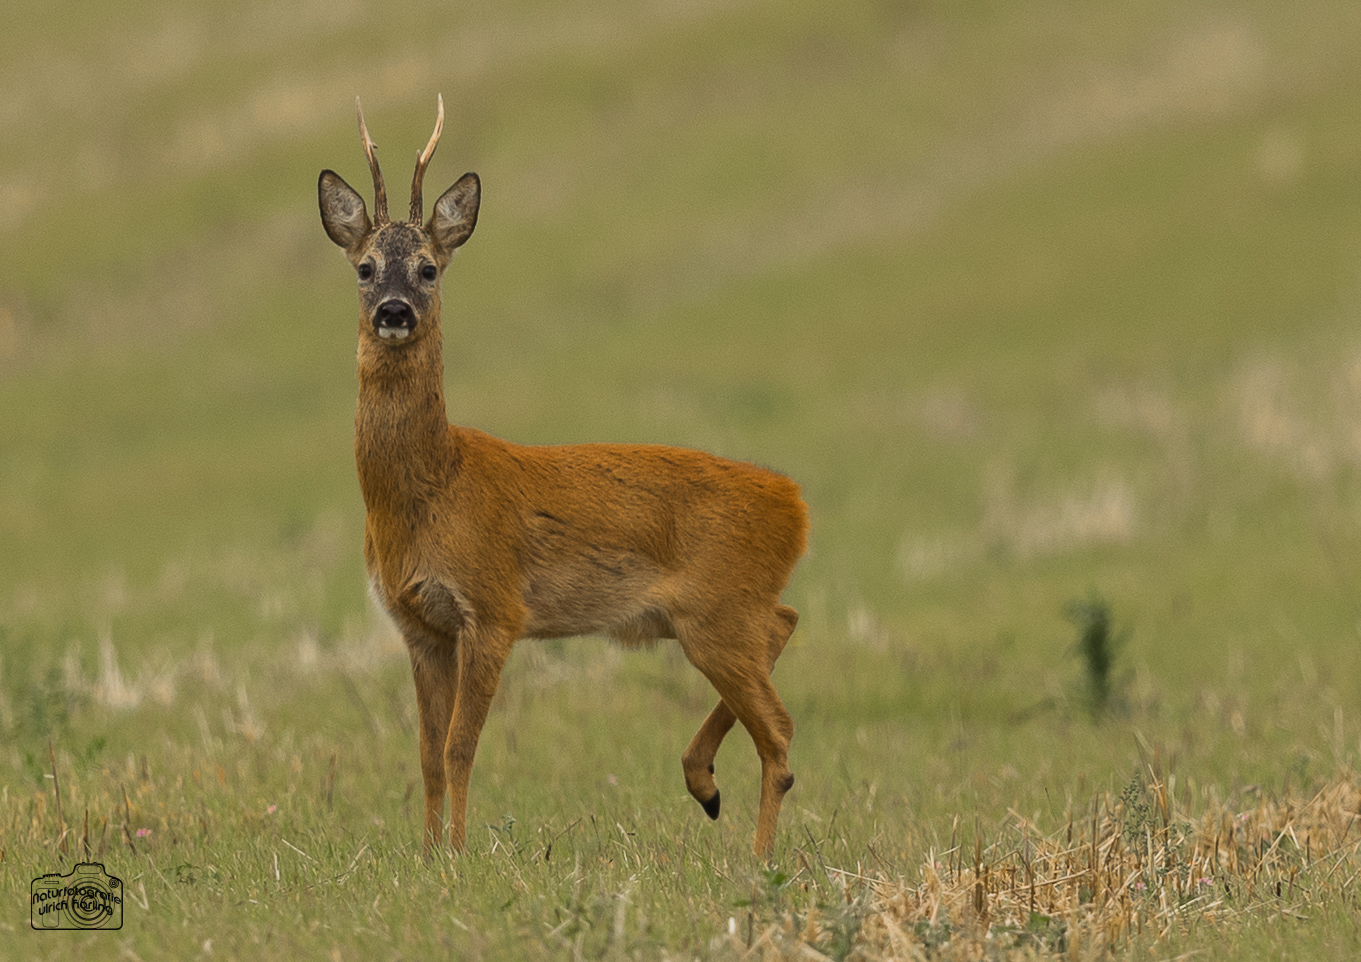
(711, 807)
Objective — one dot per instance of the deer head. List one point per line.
(399, 265)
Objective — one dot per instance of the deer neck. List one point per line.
(402, 443)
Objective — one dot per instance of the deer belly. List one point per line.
(595, 595)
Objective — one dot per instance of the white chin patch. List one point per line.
(393, 333)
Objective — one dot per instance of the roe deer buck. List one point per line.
(472, 542)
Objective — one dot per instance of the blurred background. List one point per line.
(1036, 300)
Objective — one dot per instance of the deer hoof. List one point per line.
(711, 806)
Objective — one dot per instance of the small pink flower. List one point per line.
(143, 832)
(271, 810)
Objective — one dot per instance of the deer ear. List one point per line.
(342, 212)
(455, 214)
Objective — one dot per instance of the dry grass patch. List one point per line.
(1132, 871)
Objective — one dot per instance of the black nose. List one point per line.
(395, 314)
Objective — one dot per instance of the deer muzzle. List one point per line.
(394, 320)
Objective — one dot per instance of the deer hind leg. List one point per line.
(698, 760)
(741, 674)
(435, 670)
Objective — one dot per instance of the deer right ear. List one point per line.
(455, 214)
(342, 212)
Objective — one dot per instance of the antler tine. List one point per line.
(423, 161)
(380, 194)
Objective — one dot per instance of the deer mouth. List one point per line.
(392, 333)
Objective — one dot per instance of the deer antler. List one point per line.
(423, 161)
(380, 194)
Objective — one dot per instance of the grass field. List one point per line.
(1044, 305)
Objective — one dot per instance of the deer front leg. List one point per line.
(482, 655)
(435, 670)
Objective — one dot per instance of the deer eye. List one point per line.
(429, 273)
(366, 271)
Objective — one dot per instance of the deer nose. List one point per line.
(394, 319)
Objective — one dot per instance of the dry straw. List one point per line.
(1130, 870)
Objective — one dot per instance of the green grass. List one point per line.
(1039, 302)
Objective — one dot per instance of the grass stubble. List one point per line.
(249, 834)
(1129, 871)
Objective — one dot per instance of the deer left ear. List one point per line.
(455, 214)
(342, 212)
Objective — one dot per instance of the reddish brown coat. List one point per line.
(472, 542)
